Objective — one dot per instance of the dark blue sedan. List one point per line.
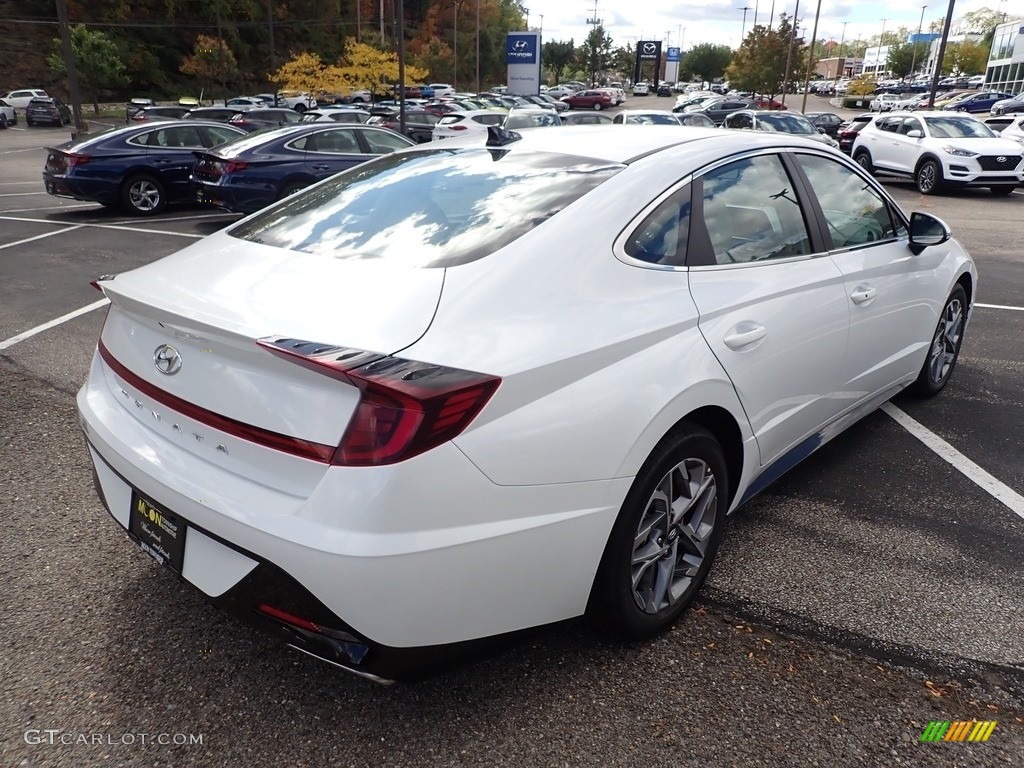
(979, 102)
(140, 168)
(249, 173)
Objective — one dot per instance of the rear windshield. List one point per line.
(432, 208)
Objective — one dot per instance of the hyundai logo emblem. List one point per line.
(520, 45)
(167, 359)
(1000, 159)
(650, 47)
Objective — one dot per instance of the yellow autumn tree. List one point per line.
(307, 72)
(366, 67)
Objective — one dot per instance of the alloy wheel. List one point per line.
(946, 342)
(144, 195)
(927, 178)
(672, 539)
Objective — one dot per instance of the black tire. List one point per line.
(143, 195)
(928, 177)
(597, 106)
(3, 121)
(863, 159)
(1002, 191)
(615, 604)
(943, 351)
(291, 188)
(300, 108)
(29, 123)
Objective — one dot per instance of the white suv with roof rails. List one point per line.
(938, 149)
(20, 99)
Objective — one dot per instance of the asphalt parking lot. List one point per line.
(876, 588)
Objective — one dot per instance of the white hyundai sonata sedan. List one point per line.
(465, 390)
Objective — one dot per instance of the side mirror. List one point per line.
(914, 134)
(927, 230)
(821, 130)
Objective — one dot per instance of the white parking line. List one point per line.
(101, 226)
(16, 151)
(999, 306)
(39, 237)
(995, 488)
(21, 194)
(56, 321)
(49, 208)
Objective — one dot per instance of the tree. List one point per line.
(623, 59)
(97, 59)
(366, 67)
(902, 57)
(211, 60)
(595, 54)
(306, 72)
(556, 56)
(760, 63)
(707, 61)
(967, 57)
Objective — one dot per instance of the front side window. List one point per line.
(752, 213)
(856, 213)
(431, 208)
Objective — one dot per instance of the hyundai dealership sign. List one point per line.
(522, 54)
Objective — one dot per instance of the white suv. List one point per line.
(20, 99)
(936, 149)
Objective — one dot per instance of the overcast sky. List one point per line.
(721, 21)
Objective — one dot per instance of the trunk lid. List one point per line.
(213, 300)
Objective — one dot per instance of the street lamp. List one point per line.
(842, 39)
(743, 29)
(878, 54)
(917, 42)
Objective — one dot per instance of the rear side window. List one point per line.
(661, 237)
(432, 208)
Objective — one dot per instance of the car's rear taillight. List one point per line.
(457, 127)
(75, 158)
(231, 166)
(407, 407)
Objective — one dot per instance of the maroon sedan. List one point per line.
(589, 100)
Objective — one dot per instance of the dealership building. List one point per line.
(1005, 70)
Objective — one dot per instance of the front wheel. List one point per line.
(665, 538)
(945, 346)
(928, 177)
(597, 106)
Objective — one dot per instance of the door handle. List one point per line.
(321, 167)
(162, 161)
(745, 334)
(862, 294)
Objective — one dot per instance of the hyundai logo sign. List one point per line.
(521, 49)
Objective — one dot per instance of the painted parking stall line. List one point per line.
(995, 488)
(67, 228)
(999, 306)
(100, 226)
(7, 344)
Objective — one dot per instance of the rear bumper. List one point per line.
(77, 189)
(382, 554)
(231, 198)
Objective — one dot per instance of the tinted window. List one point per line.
(891, 124)
(218, 135)
(855, 212)
(175, 137)
(338, 142)
(797, 124)
(382, 142)
(752, 213)
(432, 208)
(661, 238)
(910, 124)
(957, 128)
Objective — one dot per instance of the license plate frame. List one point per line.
(159, 532)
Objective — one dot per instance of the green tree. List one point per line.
(211, 61)
(707, 61)
(556, 56)
(967, 57)
(760, 63)
(902, 57)
(623, 59)
(595, 54)
(97, 60)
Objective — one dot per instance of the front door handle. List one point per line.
(862, 294)
(744, 335)
(321, 167)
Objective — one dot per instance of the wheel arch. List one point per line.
(726, 430)
(298, 177)
(967, 282)
(929, 156)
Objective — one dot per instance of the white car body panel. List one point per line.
(599, 356)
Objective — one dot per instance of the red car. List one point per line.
(766, 103)
(589, 100)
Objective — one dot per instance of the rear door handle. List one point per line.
(862, 294)
(744, 335)
(321, 167)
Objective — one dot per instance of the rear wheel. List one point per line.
(597, 106)
(928, 177)
(665, 538)
(291, 188)
(3, 120)
(863, 159)
(143, 195)
(1002, 191)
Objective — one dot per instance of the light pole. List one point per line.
(455, 48)
(842, 39)
(878, 53)
(789, 55)
(478, 89)
(810, 58)
(917, 42)
(743, 29)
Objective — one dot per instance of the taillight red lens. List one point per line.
(457, 127)
(232, 166)
(76, 159)
(407, 407)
